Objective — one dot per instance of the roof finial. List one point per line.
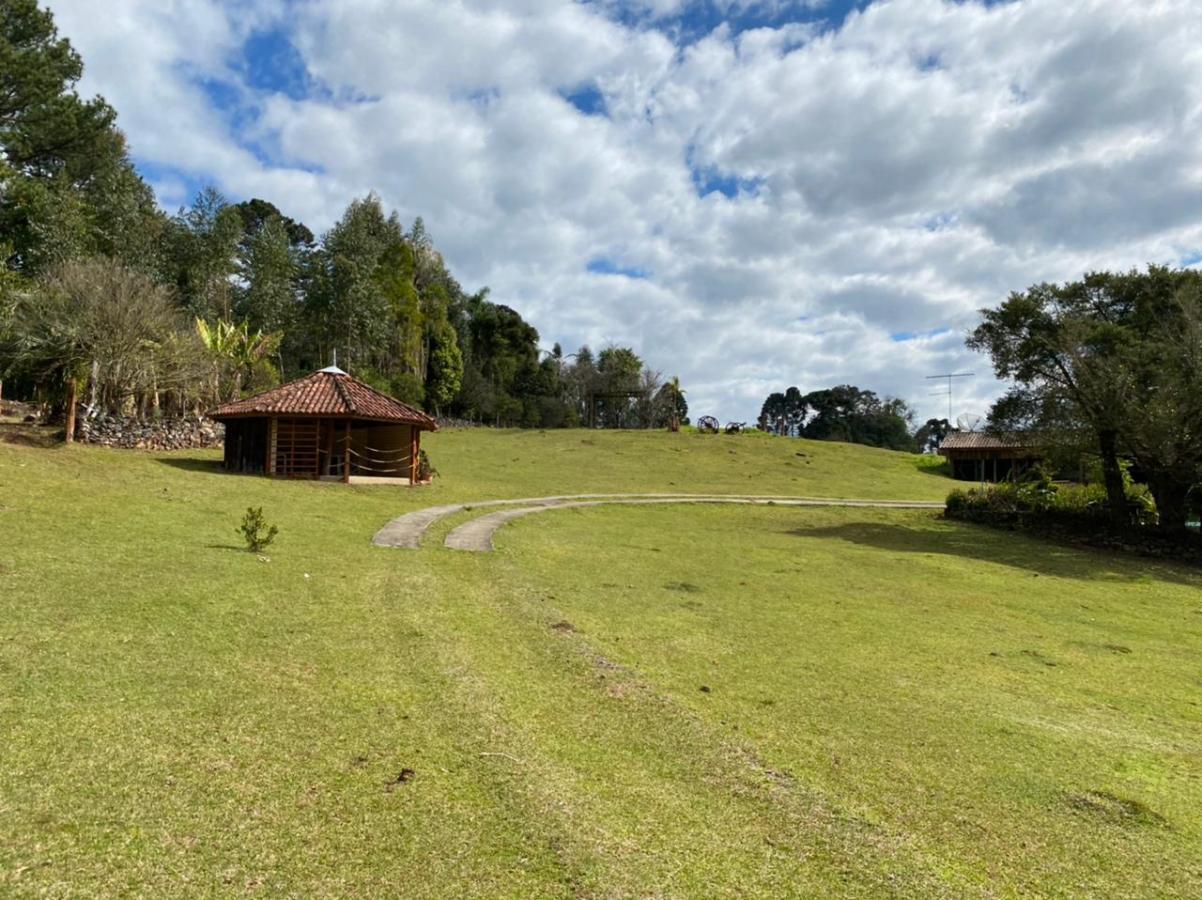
(333, 368)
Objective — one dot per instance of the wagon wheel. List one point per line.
(708, 425)
(735, 427)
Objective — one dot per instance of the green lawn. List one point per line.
(621, 701)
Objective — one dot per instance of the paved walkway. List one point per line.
(476, 535)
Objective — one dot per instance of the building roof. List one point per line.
(985, 440)
(330, 392)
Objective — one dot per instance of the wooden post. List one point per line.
(329, 448)
(346, 455)
(271, 438)
(72, 392)
(414, 444)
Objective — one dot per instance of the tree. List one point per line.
(930, 435)
(97, 325)
(268, 271)
(125, 221)
(67, 187)
(446, 366)
(201, 256)
(256, 213)
(1116, 356)
(403, 354)
(45, 127)
(349, 309)
(783, 413)
(580, 381)
(500, 361)
(12, 286)
(619, 371)
(46, 221)
(843, 413)
(648, 412)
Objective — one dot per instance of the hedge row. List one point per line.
(1072, 513)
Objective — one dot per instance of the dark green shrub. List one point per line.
(1037, 500)
(425, 471)
(255, 530)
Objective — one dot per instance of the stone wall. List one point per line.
(161, 434)
(448, 422)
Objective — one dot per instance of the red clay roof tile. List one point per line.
(326, 393)
(985, 440)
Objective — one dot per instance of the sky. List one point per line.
(751, 193)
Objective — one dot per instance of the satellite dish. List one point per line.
(969, 422)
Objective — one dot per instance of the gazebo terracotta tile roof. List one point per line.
(330, 393)
(984, 440)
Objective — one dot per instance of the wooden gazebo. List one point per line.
(326, 426)
(986, 456)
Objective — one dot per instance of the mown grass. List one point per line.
(652, 701)
(535, 463)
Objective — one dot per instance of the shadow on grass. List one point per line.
(984, 544)
(193, 464)
(943, 469)
(43, 437)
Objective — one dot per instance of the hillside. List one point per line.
(620, 701)
(533, 463)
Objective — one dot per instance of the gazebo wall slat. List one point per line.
(246, 445)
(296, 448)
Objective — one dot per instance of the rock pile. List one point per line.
(162, 434)
(18, 411)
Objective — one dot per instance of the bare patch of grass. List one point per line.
(1108, 807)
(684, 587)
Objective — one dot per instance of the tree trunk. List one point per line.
(94, 399)
(1171, 495)
(1112, 475)
(72, 395)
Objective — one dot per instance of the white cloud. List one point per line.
(894, 174)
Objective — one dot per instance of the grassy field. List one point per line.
(652, 701)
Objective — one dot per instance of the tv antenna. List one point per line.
(949, 377)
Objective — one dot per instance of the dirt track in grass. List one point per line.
(476, 535)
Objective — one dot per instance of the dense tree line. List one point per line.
(1110, 365)
(105, 297)
(843, 413)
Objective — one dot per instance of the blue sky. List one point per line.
(753, 193)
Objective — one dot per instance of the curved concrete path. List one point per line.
(476, 535)
(408, 530)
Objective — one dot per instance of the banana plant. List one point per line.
(235, 350)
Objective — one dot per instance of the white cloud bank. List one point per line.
(888, 177)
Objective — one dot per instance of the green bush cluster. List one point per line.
(1038, 500)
